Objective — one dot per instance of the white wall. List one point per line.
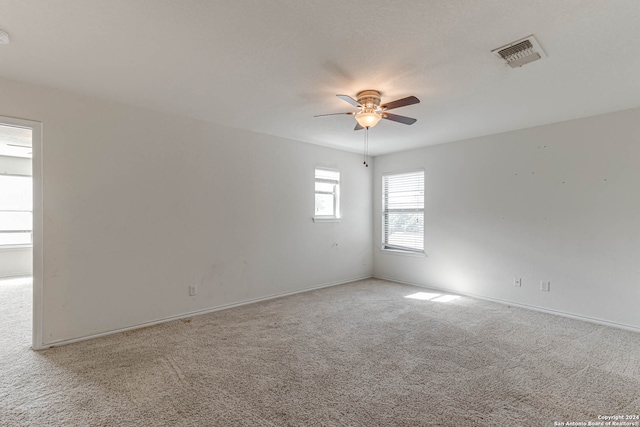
(15, 165)
(15, 261)
(557, 202)
(138, 205)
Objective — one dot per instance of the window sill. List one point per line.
(403, 253)
(325, 219)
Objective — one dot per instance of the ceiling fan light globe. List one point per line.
(368, 119)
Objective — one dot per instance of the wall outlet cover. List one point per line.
(545, 285)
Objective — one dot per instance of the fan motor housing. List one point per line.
(369, 99)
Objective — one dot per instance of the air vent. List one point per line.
(520, 52)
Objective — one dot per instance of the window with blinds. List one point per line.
(327, 194)
(15, 210)
(403, 211)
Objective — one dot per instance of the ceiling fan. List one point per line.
(371, 111)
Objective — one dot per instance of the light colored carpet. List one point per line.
(353, 355)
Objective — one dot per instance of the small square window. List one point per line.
(327, 194)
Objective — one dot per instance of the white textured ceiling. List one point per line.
(270, 65)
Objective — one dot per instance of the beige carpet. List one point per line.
(354, 355)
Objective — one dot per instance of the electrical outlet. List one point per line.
(517, 281)
(193, 290)
(545, 285)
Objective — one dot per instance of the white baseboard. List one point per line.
(195, 313)
(525, 306)
(16, 275)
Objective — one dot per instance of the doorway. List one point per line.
(21, 212)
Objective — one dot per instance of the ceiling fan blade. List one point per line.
(332, 114)
(358, 127)
(400, 119)
(349, 99)
(409, 100)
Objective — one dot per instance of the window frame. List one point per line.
(335, 216)
(385, 211)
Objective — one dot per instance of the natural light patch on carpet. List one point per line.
(433, 297)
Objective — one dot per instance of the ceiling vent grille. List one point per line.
(520, 52)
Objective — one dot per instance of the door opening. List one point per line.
(21, 211)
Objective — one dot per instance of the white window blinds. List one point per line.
(403, 211)
(15, 210)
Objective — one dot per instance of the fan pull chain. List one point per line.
(366, 145)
